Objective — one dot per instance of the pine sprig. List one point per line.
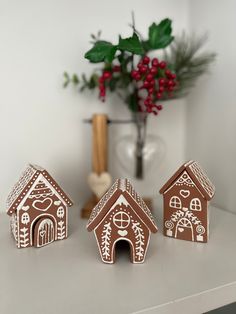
(188, 62)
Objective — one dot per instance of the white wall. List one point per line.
(211, 110)
(41, 122)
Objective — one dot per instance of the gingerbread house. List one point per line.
(38, 208)
(121, 214)
(186, 196)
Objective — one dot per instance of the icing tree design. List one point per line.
(105, 244)
(194, 189)
(24, 237)
(41, 207)
(121, 214)
(139, 243)
(61, 230)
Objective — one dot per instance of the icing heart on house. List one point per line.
(99, 184)
(181, 229)
(122, 233)
(57, 203)
(25, 208)
(42, 205)
(42, 233)
(184, 193)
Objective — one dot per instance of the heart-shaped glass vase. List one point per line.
(152, 154)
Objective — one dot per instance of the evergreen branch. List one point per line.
(185, 58)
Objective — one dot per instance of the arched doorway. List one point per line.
(184, 229)
(123, 248)
(44, 232)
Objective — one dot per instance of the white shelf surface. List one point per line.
(69, 277)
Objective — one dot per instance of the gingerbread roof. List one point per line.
(197, 175)
(121, 186)
(24, 186)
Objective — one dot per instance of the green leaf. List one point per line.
(160, 35)
(66, 79)
(131, 44)
(101, 51)
(75, 79)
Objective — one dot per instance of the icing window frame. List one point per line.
(121, 220)
(196, 204)
(175, 202)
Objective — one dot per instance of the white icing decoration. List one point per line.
(121, 220)
(184, 193)
(175, 202)
(42, 205)
(61, 230)
(139, 243)
(195, 204)
(45, 232)
(25, 218)
(24, 237)
(60, 212)
(105, 244)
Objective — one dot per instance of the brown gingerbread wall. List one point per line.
(38, 205)
(122, 223)
(182, 221)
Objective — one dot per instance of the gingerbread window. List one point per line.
(175, 202)
(25, 218)
(195, 204)
(121, 220)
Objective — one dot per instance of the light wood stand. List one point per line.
(100, 158)
(99, 155)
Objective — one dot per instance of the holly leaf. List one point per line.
(101, 51)
(160, 35)
(131, 44)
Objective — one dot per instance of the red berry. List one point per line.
(159, 107)
(170, 89)
(146, 102)
(146, 84)
(173, 76)
(162, 64)
(170, 83)
(149, 77)
(161, 81)
(140, 64)
(161, 89)
(152, 82)
(146, 60)
(106, 75)
(150, 90)
(168, 73)
(143, 69)
(153, 71)
(159, 95)
(116, 68)
(101, 80)
(134, 73)
(155, 62)
(137, 77)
